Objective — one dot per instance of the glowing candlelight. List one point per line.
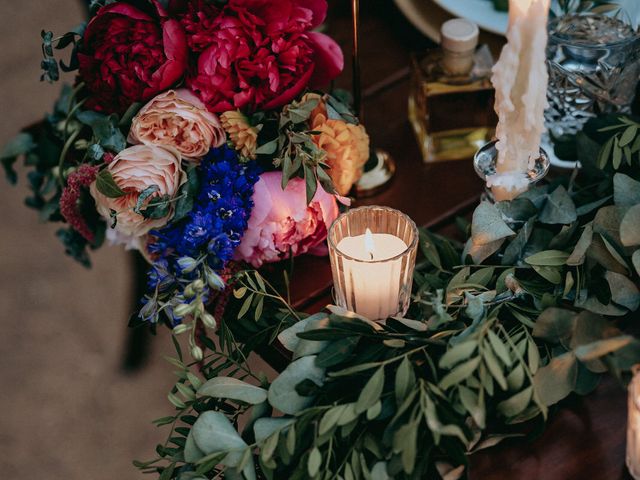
(372, 251)
(369, 246)
(520, 79)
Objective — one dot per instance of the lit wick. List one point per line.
(368, 243)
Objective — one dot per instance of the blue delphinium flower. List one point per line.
(206, 238)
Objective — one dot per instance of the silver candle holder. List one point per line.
(485, 161)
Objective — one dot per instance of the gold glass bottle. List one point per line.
(451, 99)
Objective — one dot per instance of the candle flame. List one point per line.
(368, 243)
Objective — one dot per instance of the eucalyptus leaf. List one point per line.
(311, 347)
(630, 227)
(600, 348)
(592, 304)
(519, 209)
(379, 471)
(214, 433)
(265, 427)
(557, 379)
(600, 252)
(607, 222)
(590, 207)
(487, 225)
(514, 251)
(233, 389)
(480, 252)
(282, 392)
(580, 251)
(624, 292)
(191, 451)
(289, 337)
(626, 190)
(559, 208)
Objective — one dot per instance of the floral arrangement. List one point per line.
(192, 134)
(530, 307)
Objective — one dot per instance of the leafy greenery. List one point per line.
(50, 66)
(501, 327)
(287, 141)
(68, 137)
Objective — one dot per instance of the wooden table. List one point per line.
(585, 437)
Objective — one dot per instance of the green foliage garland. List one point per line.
(531, 308)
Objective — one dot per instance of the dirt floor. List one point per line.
(67, 410)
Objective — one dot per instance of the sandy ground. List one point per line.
(67, 411)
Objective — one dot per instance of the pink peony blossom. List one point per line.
(260, 54)
(281, 221)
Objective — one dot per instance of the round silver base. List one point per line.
(486, 159)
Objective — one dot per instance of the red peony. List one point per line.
(259, 54)
(130, 56)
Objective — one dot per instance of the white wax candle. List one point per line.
(372, 278)
(520, 80)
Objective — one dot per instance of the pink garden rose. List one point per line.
(129, 56)
(282, 222)
(178, 119)
(260, 54)
(135, 169)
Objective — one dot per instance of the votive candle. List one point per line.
(373, 254)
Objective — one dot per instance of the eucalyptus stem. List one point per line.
(63, 155)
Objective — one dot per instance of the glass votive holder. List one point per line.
(633, 425)
(373, 255)
(484, 163)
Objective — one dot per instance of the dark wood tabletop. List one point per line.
(585, 436)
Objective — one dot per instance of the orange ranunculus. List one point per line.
(347, 146)
(243, 135)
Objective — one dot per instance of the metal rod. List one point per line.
(355, 57)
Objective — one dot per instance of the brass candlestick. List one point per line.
(381, 167)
